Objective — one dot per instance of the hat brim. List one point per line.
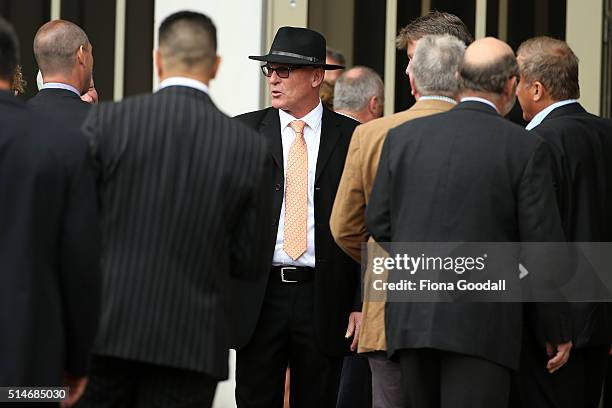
(284, 59)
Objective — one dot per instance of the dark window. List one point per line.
(97, 18)
(369, 34)
(26, 17)
(406, 12)
(138, 69)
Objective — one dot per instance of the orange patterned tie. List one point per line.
(296, 194)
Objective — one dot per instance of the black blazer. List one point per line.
(582, 148)
(62, 105)
(179, 215)
(336, 274)
(49, 249)
(466, 175)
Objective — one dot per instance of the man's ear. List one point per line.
(413, 89)
(157, 60)
(215, 67)
(537, 91)
(80, 56)
(318, 74)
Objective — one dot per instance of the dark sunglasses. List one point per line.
(281, 71)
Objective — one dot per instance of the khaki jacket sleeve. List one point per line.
(347, 220)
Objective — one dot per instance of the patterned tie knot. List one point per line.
(297, 126)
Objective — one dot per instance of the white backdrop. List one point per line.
(239, 25)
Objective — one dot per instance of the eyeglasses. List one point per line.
(281, 71)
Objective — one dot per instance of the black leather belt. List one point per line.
(292, 274)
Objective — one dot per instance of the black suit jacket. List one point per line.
(179, 215)
(62, 105)
(49, 249)
(336, 274)
(466, 175)
(582, 148)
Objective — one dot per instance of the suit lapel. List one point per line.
(330, 134)
(270, 127)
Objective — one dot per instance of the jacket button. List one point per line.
(274, 222)
(277, 187)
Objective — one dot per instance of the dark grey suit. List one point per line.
(466, 175)
(62, 105)
(179, 215)
(49, 249)
(582, 147)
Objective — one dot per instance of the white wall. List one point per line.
(239, 25)
(584, 35)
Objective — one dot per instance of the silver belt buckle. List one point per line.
(283, 274)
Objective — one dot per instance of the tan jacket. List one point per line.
(347, 220)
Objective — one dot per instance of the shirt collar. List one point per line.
(59, 85)
(183, 81)
(481, 100)
(537, 119)
(438, 98)
(312, 118)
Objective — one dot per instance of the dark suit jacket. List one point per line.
(336, 274)
(582, 148)
(62, 105)
(49, 249)
(466, 175)
(179, 211)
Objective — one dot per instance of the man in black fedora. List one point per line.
(298, 314)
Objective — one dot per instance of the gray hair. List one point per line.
(551, 62)
(355, 87)
(56, 44)
(434, 66)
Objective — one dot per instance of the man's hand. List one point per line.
(559, 353)
(76, 388)
(354, 326)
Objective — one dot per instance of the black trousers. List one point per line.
(119, 383)
(578, 384)
(285, 336)
(355, 383)
(608, 386)
(440, 379)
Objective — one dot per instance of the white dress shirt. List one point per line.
(537, 119)
(182, 81)
(59, 85)
(312, 136)
(481, 100)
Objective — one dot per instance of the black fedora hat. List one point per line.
(297, 46)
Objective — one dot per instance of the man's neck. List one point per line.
(305, 108)
(196, 77)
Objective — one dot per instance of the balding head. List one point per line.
(488, 63)
(359, 92)
(56, 45)
(187, 43)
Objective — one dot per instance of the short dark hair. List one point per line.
(490, 78)
(9, 50)
(188, 38)
(433, 23)
(553, 63)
